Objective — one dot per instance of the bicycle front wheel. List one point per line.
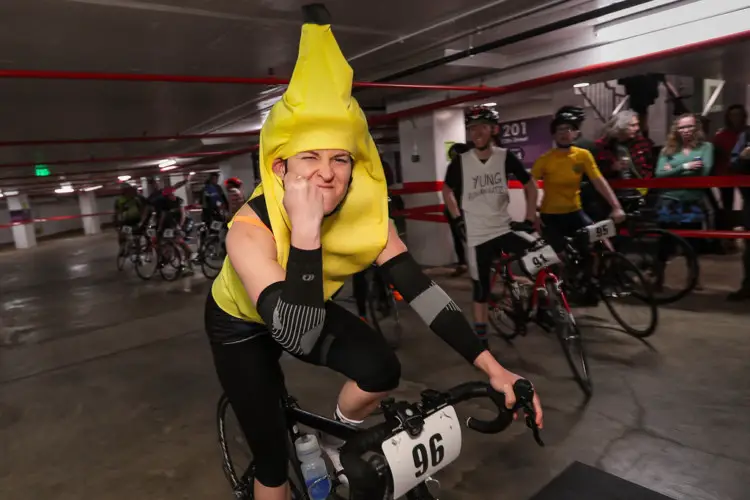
(667, 261)
(170, 260)
(237, 459)
(627, 295)
(570, 339)
(212, 257)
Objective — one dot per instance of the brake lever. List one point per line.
(524, 401)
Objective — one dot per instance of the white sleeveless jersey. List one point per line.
(485, 197)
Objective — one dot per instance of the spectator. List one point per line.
(622, 153)
(458, 239)
(735, 122)
(740, 163)
(686, 154)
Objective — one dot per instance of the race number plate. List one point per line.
(536, 260)
(169, 233)
(127, 230)
(151, 233)
(216, 225)
(601, 230)
(414, 459)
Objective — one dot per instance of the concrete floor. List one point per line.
(107, 390)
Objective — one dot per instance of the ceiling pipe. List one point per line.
(121, 159)
(236, 80)
(104, 140)
(518, 37)
(570, 75)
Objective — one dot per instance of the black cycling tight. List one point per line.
(251, 376)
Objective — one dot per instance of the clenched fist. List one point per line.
(303, 201)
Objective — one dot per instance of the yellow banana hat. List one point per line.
(317, 111)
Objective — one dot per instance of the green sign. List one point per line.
(41, 170)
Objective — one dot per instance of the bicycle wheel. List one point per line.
(231, 436)
(620, 282)
(570, 339)
(146, 261)
(667, 261)
(170, 260)
(212, 257)
(384, 314)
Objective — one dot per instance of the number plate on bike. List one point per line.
(538, 259)
(126, 230)
(413, 459)
(216, 225)
(601, 230)
(169, 233)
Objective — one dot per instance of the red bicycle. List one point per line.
(540, 299)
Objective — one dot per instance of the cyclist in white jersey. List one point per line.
(476, 189)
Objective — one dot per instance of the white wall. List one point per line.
(52, 207)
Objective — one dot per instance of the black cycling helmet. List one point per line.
(571, 115)
(481, 114)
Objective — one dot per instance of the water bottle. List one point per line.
(313, 467)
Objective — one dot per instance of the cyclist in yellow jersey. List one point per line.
(318, 217)
(562, 169)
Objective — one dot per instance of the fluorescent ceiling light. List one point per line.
(489, 104)
(167, 163)
(64, 190)
(93, 188)
(10, 193)
(192, 173)
(123, 178)
(581, 85)
(168, 167)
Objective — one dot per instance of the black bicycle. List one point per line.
(667, 260)
(211, 248)
(383, 303)
(394, 458)
(591, 270)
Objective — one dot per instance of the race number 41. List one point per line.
(413, 459)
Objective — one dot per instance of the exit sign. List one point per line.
(41, 170)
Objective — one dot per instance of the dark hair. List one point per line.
(731, 108)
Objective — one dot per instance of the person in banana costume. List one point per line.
(319, 215)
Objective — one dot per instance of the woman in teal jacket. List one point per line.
(686, 154)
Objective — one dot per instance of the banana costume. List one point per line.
(317, 111)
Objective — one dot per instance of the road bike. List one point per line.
(391, 459)
(520, 301)
(592, 271)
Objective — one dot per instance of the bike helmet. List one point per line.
(481, 114)
(233, 181)
(571, 115)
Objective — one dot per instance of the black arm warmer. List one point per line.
(433, 305)
(294, 309)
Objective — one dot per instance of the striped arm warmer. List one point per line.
(294, 309)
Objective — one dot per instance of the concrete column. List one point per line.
(424, 144)
(23, 234)
(87, 203)
(144, 186)
(241, 167)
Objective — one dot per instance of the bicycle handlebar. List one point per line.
(524, 392)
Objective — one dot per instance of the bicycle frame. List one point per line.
(503, 268)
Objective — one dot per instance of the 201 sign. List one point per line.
(513, 129)
(424, 460)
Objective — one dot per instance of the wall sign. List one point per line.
(528, 139)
